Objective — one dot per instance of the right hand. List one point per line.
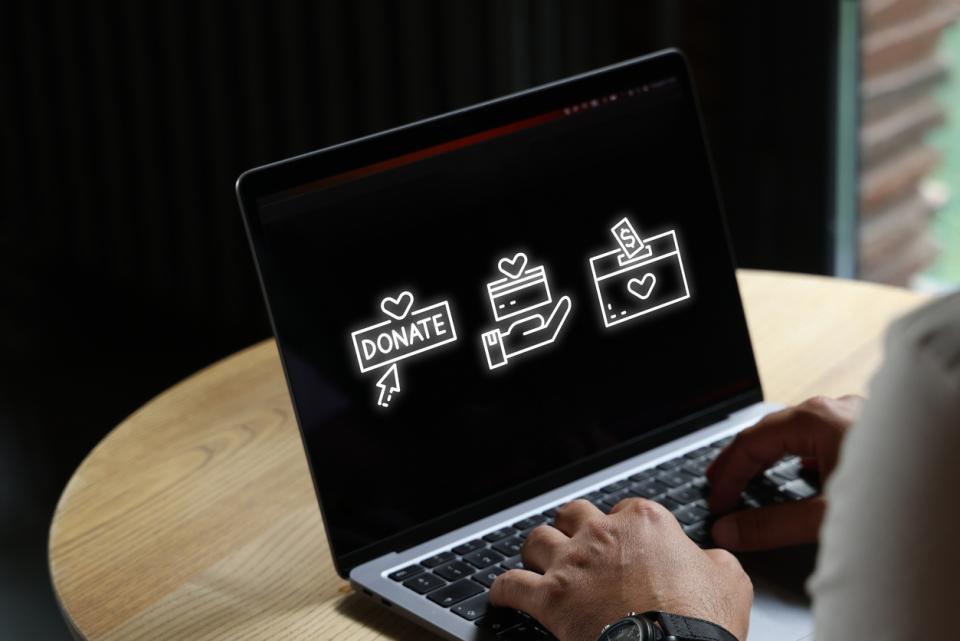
(589, 569)
(813, 430)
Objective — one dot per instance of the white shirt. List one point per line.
(889, 562)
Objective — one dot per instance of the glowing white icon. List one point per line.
(406, 332)
(640, 276)
(523, 293)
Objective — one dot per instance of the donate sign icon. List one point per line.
(396, 339)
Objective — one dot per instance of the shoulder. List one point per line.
(932, 334)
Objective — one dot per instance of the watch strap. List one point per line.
(681, 628)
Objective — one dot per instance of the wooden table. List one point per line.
(195, 518)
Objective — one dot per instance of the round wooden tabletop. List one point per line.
(195, 518)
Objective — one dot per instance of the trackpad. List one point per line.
(781, 608)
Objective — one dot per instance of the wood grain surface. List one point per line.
(195, 518)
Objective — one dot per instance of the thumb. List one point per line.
(771, 526)
(559, 314)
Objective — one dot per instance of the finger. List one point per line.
(541, 548)
(769, 527)
(521, 590)
(559, 315)
(795, 430)
(571, 517)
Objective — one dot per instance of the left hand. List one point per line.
(591, 569)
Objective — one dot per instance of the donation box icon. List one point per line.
(631, 286)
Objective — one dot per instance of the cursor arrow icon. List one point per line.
(389, 383)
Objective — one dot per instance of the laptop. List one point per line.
(489, 313)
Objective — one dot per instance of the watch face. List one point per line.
(624, 630)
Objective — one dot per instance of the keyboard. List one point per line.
(459, 579)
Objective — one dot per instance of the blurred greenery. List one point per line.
(946, 224)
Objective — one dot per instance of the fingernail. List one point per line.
(725, 533)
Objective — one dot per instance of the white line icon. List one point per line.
(641, 276)
(521, 292)
(627, 237)
(389, 384)
(406, 332)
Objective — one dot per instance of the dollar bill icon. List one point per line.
(627, 237)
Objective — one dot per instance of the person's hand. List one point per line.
(812, 430)
(591, 569)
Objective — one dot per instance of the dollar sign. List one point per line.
(629, 240)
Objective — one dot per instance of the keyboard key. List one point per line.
(697, 468)
(592, 497)
(615, 487)
(423, 583)
(671, 464)
(405, 573)
(529, 522)
(649, 489)
(600, 505)
(525, 632)
(487, 577)
(469, 546)
(684, 495)
(472, 609)
(798, 489)
(513, 563)
(700, 452)
(643, 476)
(498, 620)
(509, 547)
(674, 478)
(551, 513)
(502, 533)
(699, 533)
(759, 491)
(483, 558)
(438, 559)
(691, 514)
(454, 570)
(616, 497)
(455, 592)
(668, 503)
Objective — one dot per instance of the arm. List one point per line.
(889, 560)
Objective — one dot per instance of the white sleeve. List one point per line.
(888, 567)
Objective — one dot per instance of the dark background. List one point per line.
(123, 265)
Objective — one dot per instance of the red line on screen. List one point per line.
(427, 152)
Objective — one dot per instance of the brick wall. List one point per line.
(900, 71)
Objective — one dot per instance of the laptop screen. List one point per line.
(490, 304)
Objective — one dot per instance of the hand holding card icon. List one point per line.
(525, 334)
(524, 295)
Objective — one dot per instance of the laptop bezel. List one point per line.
(300, 171)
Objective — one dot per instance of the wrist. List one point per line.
(663, 626)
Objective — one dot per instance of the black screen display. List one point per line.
(552, 292)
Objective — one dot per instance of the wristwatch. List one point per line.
(660, 626)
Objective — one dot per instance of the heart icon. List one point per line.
(513, 267)
(399, 307)
(642, 287)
